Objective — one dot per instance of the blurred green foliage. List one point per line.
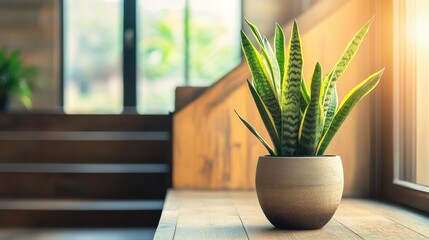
(16, 79)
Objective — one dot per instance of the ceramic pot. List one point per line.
(299, 192)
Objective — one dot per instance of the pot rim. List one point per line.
(300, 157)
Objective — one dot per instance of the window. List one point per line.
(93, 56)
(402, 131)
(177, 43)
(411, 112)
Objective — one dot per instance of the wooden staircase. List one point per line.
(61, 170)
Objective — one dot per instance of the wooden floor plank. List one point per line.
(378, 227)
(168, 221)
(258, 227)
(371, 223)
(416, 221)
(237, 215)
(211, 217)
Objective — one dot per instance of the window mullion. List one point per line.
(129, 55)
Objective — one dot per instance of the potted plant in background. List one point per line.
(15, 79)
(297, 186)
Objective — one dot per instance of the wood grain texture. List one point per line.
(237, 215)
(83, 185)
(83, 122)
(258, 227)
(54, 157)
(84, 151)
(213, 150)
(77, 219)
(33, 26)
(408, 218)
(185, 95)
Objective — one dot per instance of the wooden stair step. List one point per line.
(126, 233)
(83, 122)
(80, 205)
(79, 213)
(83, 168)
(91, 181)
(85, 135)
(85, 151)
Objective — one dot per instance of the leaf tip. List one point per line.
(295, 29)
(369, 23)
(380, 73)
(237, 114)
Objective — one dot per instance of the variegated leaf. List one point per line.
(312, 124)
(344, 61)
(272, 64)
(266, 118)
(305, 96)
(291, 95)
(255, 31)
(330, 113)
(279, 46)
(351, 99)
(257, 135)
(268, 56)
(261, 80)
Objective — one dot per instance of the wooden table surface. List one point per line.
(237, 215)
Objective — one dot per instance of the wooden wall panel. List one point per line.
(213, 150)
(33, 26)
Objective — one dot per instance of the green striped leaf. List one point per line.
(257, 135)
(261, 80)
(268, 56)
(333, 104)
(351, 99)
(305, 96)
(279, 46)
(312, 124)
(344, 61)
(291, 96)
(254, 30)
(326, 83)
(266, 118)
(272, 63)
(264, 55)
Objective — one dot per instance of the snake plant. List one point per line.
(300, 120)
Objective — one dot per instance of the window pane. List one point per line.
(214, 47)
(412, 90)
(93, 56)
(214, 39)
(160, 54)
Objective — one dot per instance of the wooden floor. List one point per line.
(77, 234)
(237, 215)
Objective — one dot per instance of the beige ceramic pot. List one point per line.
(299, 192)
